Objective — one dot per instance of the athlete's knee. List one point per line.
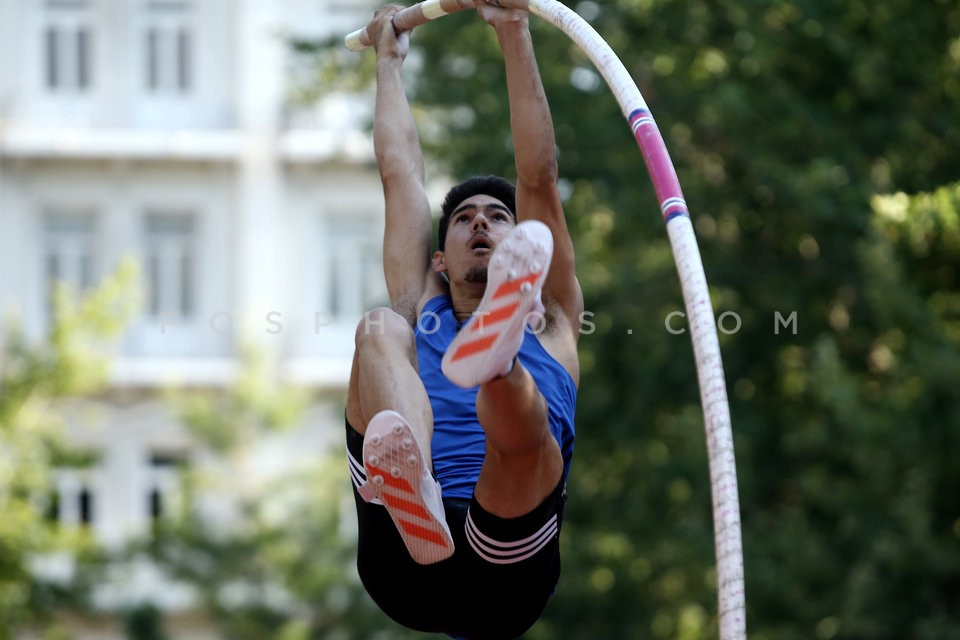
(383, 322)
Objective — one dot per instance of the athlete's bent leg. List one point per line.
(523, 461)
(384, 376)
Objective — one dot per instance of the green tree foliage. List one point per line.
(284, 569)
(792, 125)
(33, 378)
(281, 564)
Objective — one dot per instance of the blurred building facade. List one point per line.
(163, 130)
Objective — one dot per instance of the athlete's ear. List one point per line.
(439, 262)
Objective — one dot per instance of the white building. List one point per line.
(160, 129)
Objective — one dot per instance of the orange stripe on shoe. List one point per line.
(513, 286)
(406, 506)
(390, 481)
(423, 533)
(467, 349)
(495, 316)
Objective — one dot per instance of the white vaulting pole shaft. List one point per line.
(693, 282)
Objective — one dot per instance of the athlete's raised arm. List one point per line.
(408, 230)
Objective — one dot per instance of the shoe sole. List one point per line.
(490, 340)
(395, 470)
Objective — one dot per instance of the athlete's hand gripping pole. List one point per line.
(421, 13)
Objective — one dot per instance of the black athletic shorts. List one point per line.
(494, 586)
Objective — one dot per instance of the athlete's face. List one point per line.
(476, 226)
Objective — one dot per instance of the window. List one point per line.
(85, 504)
(169, 257)
(53, 507)
(68, 48)
(354, 268)
(168, 48)
(69, 250)
(168, 60)
(68, 58)
(73, 500)
(163, 494)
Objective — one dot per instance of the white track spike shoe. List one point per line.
(398, 477)
(488, 343)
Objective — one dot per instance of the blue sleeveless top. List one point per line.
(458, 439)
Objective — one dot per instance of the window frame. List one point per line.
(68, 48)
(168, 48)
(174, 280)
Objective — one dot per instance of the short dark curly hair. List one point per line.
(495, 186)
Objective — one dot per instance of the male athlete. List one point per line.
(461, 399)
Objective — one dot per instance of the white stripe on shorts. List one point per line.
(497, 552)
